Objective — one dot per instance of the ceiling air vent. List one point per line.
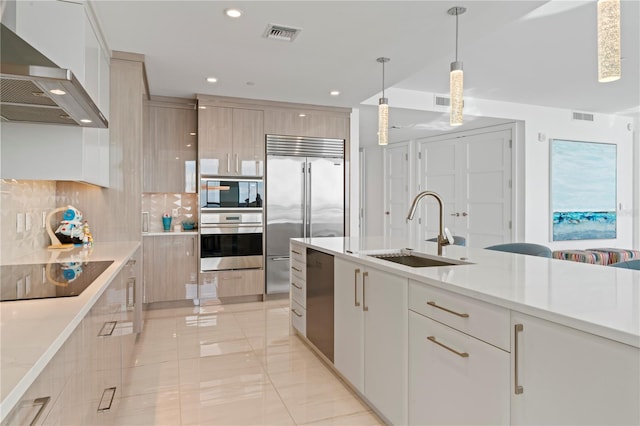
(442, 101)
(280, 32)
(582, 116)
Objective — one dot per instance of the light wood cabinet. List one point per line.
(370, 340)
(233, 283)
(571, 377)
(312, 123)
(170, 268)
(230, 141)
(170, 148)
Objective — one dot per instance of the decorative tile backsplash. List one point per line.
(157, 204)
(26, 199)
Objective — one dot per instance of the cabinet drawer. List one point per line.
(299, 291)
(298, 253)
(298, 269)
(299, 317)
(481, 320)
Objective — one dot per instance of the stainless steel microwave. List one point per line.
(231, 193)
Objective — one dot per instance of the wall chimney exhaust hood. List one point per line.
(35, 90)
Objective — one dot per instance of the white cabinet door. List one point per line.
(348, 337)
(370, 337)
(384, 300)
(474, 378)
(571, 377)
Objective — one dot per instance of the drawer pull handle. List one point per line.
(518, 389)
(296, 312)
(460, 354)
(364, 278)
(355, 288)
(296, 286)
(279, 259)
(296, 252)
(107, 399)
(431, 303)
(296, 269)
(27, 407)
(107, 328)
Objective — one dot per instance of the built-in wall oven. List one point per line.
(231, 240)
(231, 193)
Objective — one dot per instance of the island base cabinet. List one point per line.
(370, 335)
(564, 376)
(459, 380)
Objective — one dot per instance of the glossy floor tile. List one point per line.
(231, 365)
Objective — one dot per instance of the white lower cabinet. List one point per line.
(370, 339)
(565, 376)
(455, 379)
(298, 281)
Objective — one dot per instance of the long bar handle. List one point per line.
(309, 209)
(364, 303)
(237, 162)
(131, 292)
(107, 328)
(228, 162)
(460, 354)
(296, 269)
(296, 312)
(518, 389)
(296, 286)
(280, 259)
(435, 305)
(106, 400)
(355, 288)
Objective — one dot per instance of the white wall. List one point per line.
(556, 123)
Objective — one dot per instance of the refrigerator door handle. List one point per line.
(308, 200)
(304, 200)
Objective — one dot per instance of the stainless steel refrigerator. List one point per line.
(304, 198)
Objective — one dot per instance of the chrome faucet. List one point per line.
(442, 239)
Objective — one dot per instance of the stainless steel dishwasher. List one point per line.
(320, 301)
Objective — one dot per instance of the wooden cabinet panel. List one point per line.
(441, 379)
(170, 149)
(248, 142)
(571, 377)
(215, 140)
(170, 268)
(246, 282)
(314, 124)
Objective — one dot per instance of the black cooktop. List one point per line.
(48, 280)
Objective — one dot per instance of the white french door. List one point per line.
(396, 201)
(473, 174)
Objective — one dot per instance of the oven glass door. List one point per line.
(233, 194)
(221, 245)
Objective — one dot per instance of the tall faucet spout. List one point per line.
(442, 239)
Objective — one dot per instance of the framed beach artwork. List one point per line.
(583, 190)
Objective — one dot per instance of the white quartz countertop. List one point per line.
(32, 331)
(597, 299)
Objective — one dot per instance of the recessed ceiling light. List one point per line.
(334, 93)
(233, 13)
(85, 120)
(212, 79)
(57, 92)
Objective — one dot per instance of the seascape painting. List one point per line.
(583, 190)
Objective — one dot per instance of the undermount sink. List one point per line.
(415, 261)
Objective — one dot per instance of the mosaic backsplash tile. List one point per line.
(157, 204)
(29, 199)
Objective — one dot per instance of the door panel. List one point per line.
(396, 192)
(326, 197)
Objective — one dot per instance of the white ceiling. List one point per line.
(534, 52)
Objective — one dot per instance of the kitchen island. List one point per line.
(35, 334)
(506, 338)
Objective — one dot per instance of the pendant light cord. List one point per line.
(383, 79)
(456, 36)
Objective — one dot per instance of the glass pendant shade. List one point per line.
(456, 86)
(608, 40)
(383, 122)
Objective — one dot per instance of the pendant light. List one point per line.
(383, 111)
(608, 40)
(456, 77)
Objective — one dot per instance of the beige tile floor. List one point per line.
(231, 365)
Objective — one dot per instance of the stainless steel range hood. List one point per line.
(33, 89)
